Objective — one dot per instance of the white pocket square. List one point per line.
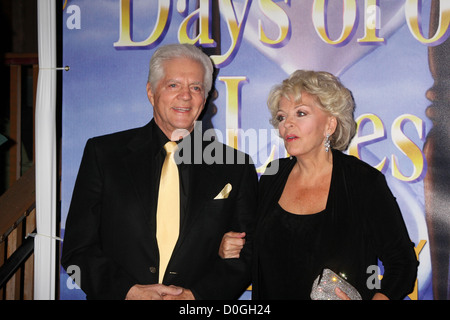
(223, 194)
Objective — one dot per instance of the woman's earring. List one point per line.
(327, 143)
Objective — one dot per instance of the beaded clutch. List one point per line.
(325, 284)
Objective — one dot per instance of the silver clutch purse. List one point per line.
(325, 284)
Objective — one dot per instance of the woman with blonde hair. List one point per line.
(324, 209)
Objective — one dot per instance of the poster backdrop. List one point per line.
(383, 50)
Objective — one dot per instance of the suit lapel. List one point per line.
(200, 177)
(140, 165)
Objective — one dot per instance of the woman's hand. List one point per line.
(341, 294)
(231, 245)
(379, 296)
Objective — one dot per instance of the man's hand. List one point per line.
(185, 295)
(152, 292)
(231, 245)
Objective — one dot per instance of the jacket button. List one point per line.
(152, 269)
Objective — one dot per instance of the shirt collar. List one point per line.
(160, 139)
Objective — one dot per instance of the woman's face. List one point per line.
(303, 125)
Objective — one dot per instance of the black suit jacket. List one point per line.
(111, 225)
(365, 224)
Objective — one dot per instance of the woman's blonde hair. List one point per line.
(331, 95)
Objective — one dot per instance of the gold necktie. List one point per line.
(168, 212)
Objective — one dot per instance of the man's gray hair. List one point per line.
(174, 51)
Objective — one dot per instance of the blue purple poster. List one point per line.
(388, 53)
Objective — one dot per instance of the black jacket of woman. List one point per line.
(361, 226)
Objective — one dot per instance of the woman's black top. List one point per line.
(289, 262)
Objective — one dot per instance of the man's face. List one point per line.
(179, 97)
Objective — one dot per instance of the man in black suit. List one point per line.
(111, 229)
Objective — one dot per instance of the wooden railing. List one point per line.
(17, 199)
(17, 221)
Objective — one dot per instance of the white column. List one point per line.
(46, 174)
